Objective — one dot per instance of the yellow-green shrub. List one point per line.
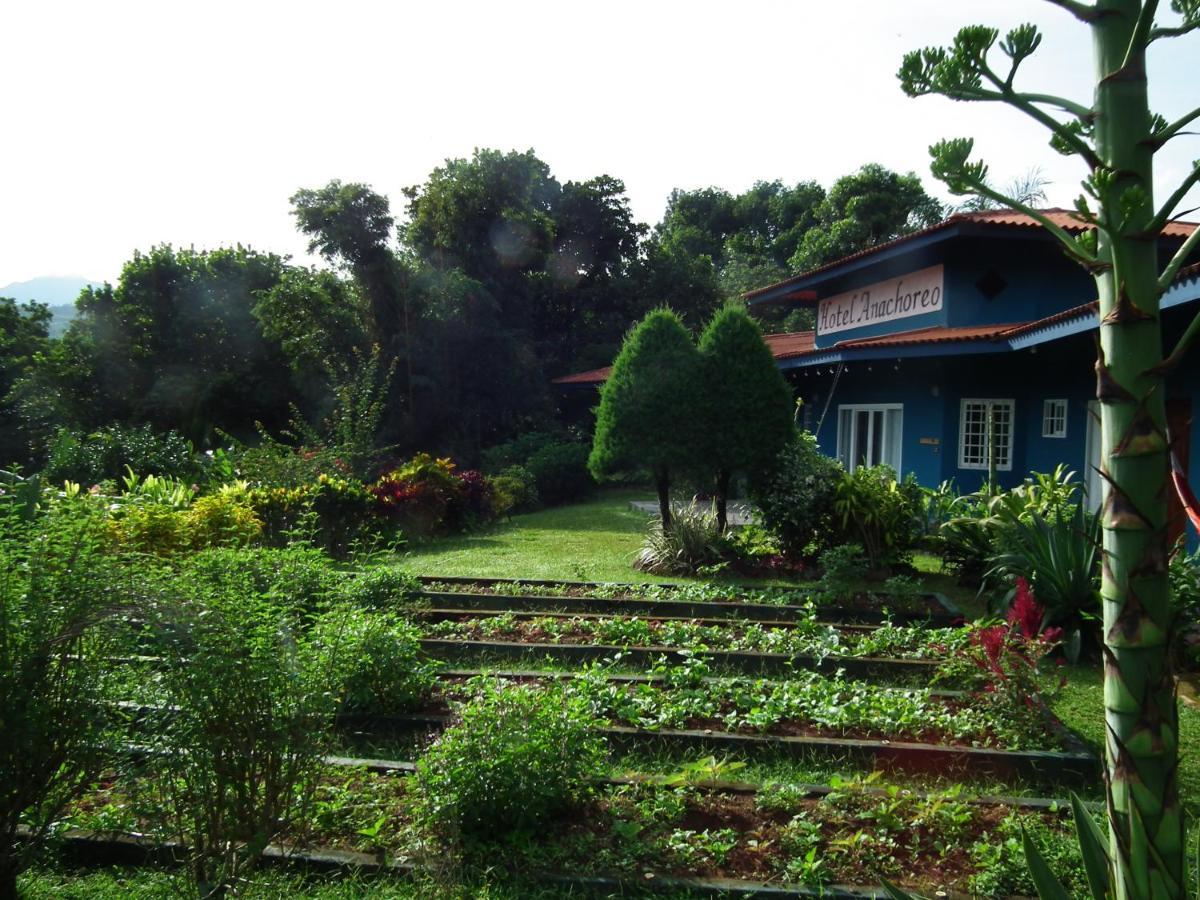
(150, 528)
(222, 520)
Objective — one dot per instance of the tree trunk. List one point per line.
(723, 478)
(1146, 829)
(8, 879)
(662, 482)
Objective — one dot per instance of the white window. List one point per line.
(985, 430)
(870, 435)
(1054, 419)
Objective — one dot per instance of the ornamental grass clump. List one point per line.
(688, 542)
(519, 756)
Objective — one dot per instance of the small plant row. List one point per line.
(905, 603)
(807, 638)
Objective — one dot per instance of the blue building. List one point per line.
(964, 344)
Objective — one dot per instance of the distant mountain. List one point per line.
(58, 292)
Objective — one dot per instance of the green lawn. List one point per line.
(1080, 704)
(592, 541)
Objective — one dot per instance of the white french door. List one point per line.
(870, 435)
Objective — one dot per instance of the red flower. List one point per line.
(1026, 613)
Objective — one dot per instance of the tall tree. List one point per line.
(747, 403)
(647, 418)
(553, 257)
(175, 343)
(1117, 136)
(351, 225)
(863, 209)
(24, 334)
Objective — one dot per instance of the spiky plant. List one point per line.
(1116, 136)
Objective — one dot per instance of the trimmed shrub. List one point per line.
(649, 418)
(561, 474)
(748, 405)
(519, 755)
(380, 667)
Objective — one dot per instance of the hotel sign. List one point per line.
(913, 294)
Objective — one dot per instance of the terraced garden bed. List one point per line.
(689, 599)
(796, 839)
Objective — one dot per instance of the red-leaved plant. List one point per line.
(1004, 657)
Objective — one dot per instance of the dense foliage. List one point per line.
(518, 755)
(58, 591)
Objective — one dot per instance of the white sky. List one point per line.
(124, 124)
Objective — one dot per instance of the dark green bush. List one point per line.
(91, 457)
(556, 462)
(561, 473)
(519, 755)
(795, 496)
(58, 592)
(380, 666)
(518, 451)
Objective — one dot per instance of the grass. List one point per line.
(591, 541)
(147, 883)
(1080, 705)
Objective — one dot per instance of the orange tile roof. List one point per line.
(1005, 218)
(796, 343)
(937, 334)
(591, 376)
(783, 346)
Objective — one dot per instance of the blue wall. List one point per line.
(1037, 281)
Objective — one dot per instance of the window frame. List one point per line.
(1054, 410)
(885, 408)
(988, 403)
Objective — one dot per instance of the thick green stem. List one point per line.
(1145, 820)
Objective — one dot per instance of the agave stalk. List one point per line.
(1117, 137)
